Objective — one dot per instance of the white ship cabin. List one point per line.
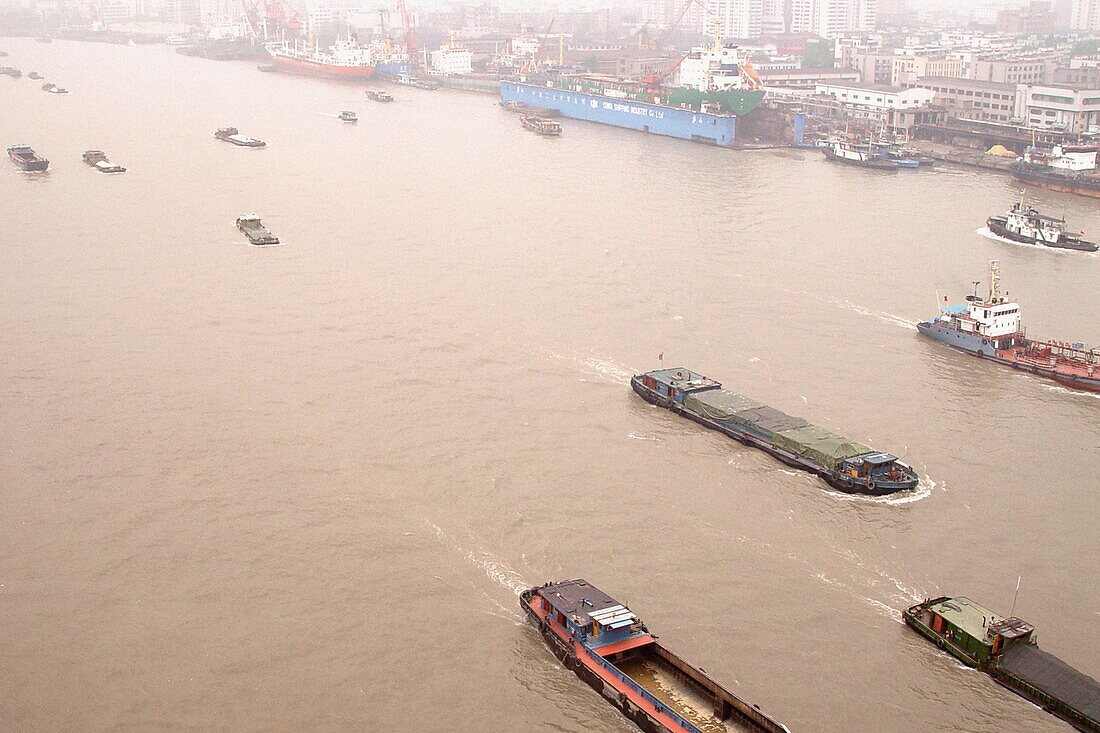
(712, 69)
(675, 384)
(992, 318)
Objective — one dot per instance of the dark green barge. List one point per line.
(1006, 649)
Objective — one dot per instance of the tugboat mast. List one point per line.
(994, 281)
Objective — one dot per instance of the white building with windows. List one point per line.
(833, 18)
(876, 96)
(1084, 15)
(452, 61)
(1059, 107)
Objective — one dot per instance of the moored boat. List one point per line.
(379, 95)
(1070, 169)
(842, 463)
(251, 226)
(233, 135)
(541, 125)
(1024, 224)
(348, 116)
(1006, 649)
(11, 71)
(98, 159)
(990, 328)
(610, 649)
(24, 157)
(345, 60)
(862, 156)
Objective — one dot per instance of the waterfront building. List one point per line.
(808, 78)
(905, 70)
(876, 96)
(972, 99)
(1061, 107)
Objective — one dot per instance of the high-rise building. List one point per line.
(831, 18)
(772, 17)
(739, 18)
(1084, 15)
(186, 12)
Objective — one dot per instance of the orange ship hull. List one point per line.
(308, 67)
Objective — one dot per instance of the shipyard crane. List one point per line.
(382, 13)
(411, 46)
(275, 17)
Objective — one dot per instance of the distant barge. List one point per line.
(1005, 648)
(842, 463)
(611, 650)
(28, 160)
(233, 135)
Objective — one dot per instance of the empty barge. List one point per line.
(842, 463)
(1006, 649)
(608, 647)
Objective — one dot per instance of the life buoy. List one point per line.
(846, 481)
(870, 484)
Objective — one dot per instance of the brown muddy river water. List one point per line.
(298, 488)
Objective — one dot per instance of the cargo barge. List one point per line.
(844, 464)
(28, 160)
(233, 135)
(610, 649)
(990, 328)
(1006, 649)
(622, 104)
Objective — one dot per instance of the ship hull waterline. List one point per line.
(881, 488)
(324, 71)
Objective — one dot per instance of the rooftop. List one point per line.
(973, 83)
(583, 603)
(977, 620)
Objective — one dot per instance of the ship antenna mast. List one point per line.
(994, 281)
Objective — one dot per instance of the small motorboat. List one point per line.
(34, 75)
(347, 116)
(98, 159)
(379, 95)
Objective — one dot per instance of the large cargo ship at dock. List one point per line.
(345, 60)
(990, 328)
(610, 649)
(842, 463)
(1006, 649)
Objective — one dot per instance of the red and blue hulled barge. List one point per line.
(841, 462)
(609, 648)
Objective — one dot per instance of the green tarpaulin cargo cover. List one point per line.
(819, 444)
(719, 404)
(768, 419)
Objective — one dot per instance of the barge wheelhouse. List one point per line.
(601, 641)
(842, 463)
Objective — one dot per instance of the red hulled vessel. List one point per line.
(342, 61)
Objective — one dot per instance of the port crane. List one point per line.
(272, 19)
(412, 48)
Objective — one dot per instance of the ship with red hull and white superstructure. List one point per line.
(345, 60)
(610, 649)
(990, 328)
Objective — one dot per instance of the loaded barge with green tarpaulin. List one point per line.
(1006, 649)
(841, 462)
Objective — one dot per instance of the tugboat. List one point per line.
(541, 125)
(34, 75)
(349, 116)
(251, 226)
(843, 152)
(611, 650)
(1024, 224)
(990, 328)
(379, 95)
(53, 89)
(98, 160)
(842, 463)
(233, 135)
(1006, 649)
(27, 159)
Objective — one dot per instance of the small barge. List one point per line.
(233, 135)
(347, 116)
(842, 463)
(610, 649)
(379, 95)
(1006, 649)
(251, 226)
(990, 328)
(842, 152)
(1024, 224)
(98, 159)
(11, 71)
(541, 125)
(27, 159)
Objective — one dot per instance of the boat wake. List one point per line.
(642, 437)
(492, 567)
(601, 368)
(984, 232)
(1066, 390)
(890, 318)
